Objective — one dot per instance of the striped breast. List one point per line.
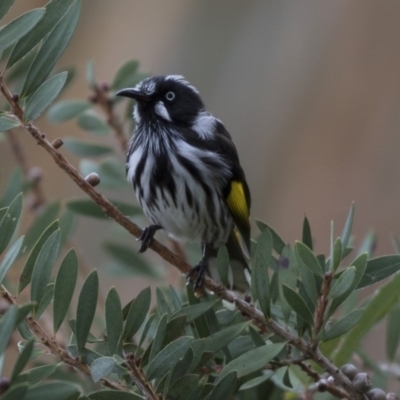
(179, 187)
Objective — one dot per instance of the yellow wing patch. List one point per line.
(239, 208)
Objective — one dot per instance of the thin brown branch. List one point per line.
(102, 98)
(55, 348)
(246, 309)
(140, 381)
(322, 302)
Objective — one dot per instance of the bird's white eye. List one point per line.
(170, 96)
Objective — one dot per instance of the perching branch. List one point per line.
(312, 352)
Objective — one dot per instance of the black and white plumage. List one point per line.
(186, 173)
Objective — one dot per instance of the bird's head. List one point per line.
(170, 98)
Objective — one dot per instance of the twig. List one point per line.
(322, 303)
(140, 381)
(55, 347)
(246, 309)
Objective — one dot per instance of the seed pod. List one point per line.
(93, 179)
(376, 394)
(57, 143)
(361, 382)
(349, 370)
(322, 385)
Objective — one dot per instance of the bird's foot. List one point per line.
(147, 236)
(200, 268)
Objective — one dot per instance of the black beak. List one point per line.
(132, 94)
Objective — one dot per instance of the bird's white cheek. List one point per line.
(136, 114)
(162, 111)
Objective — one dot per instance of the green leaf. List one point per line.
(86, 309)
(5, 6)
(46, 300)
(343, 325)
(18, 27)
(15, 185)
(252, 360)
(125, 77)
(184, 388)
(225, 387)
(379, 268)
(343, 283)
(222, 338)
(114, 321)
(7, 325)
(347, 228)
(59, 390)
(64, 288)
(137, 313)
(393, 333)
(26, 274)
(51, 49)
(336, 255)
(90, 75)
(307, 257)
(44, 96)
(182, 367)
(307, 237)
(16, 392)
(194, 311)
(129, 258)
(298, 305)
(44, 265)
(66, 110)
(9, 222)
(88, 208)
(36, 375)
(54, 11)
(259, 276)
(10, 257)
(256, 381)
(86, 149)
(113, 395)
(8, 122)
(42, 221)
(223, 264)
(162, 305)
(102, 367)
(91, 121)
(22, 360)
(158, 337)
(167, 357)
(377, 307)
(279, 244)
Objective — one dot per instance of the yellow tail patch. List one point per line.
(237, 201)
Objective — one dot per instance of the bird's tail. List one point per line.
(237, 261)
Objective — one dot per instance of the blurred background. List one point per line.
(308, 89)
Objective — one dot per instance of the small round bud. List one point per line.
(4, 385)
(330, 379)
(93, 179)
(376, 394)
(15, 97)
(361, 382)
(57, 143)
(349, 370)
(322, 385)
(392, 396)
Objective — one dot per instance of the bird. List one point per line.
(186, 174)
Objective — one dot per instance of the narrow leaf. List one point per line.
(44, 96)
(91, 121)
(7, 326)
(36, 375)
(22, 360)
(17, 28)
(220, 339)
(16, 392)
(307, 257)
(86, 309)
(256, 381)
(86, 149)
(159, 337)
(194, 311)
(64, 288)
(7, 123)
(347, 228)
(59, 390)
(393, 333)
(185, 387)
(54, 11)
(5, 6)
(125, 76)
(137, 313)
(298, 304)
(167, 357)
(113, 395)
(46, 300)
(9, 222)
(43, 266)
(225, 387)
(307, 237)
(279, 244)
(10, 257)
(379, 268)
(51, 49)
(66, 110)
(336, 255)
(343, 325)
(343, 283)
(101, 368)
(252, 360)
(114, 321)
(26, 274)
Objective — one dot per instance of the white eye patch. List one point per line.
(161, 111)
